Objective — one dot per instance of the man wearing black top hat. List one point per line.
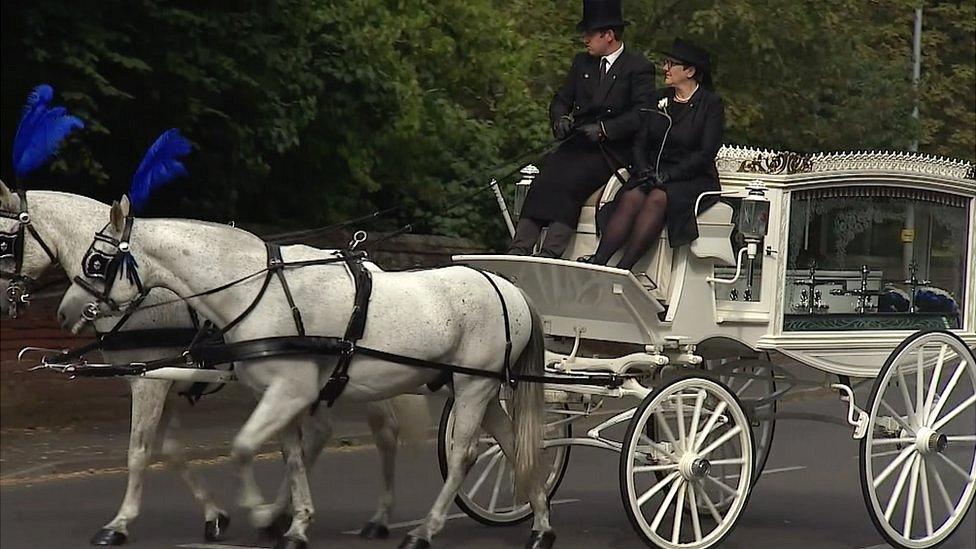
(597, 111)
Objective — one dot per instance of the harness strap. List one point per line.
(277, 265)
(363, 284)
(508, 375)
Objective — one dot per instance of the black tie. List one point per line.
(603, 68)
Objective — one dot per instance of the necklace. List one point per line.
(686, 99)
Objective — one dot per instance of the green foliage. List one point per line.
(307, 112)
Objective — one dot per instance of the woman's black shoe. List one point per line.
(591, 259)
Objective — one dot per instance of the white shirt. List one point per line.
(612, 57)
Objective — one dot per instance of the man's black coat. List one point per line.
(579, 167)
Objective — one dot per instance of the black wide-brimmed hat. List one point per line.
(690, 54)
(600, 14)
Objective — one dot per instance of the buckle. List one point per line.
(346, 347)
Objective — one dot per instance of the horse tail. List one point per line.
(529, 406)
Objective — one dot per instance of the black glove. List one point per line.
(643, 179)
(592, 132)
(562, 128)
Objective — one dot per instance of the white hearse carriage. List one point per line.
(857, 264)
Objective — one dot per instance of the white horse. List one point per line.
(65, 223)
(451, 315)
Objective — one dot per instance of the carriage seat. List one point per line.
(714, 229)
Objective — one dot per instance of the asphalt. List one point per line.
(809, 497)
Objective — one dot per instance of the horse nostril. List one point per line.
(62, 318)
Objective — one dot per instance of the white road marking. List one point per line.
(783, 470)
(880, 546)
(418, 522)
(217, 546)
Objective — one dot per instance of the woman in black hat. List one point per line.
(674, 162)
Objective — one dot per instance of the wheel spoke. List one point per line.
(934, 384)
(890, 441)
(681, 421)
(725, 487)
(484, 475)
(919, 385)
(696, 417)
(897, 417)
(668, 433)
(961, 438)
(721, 440)
(708, 504)
(679, 504)
(717, 413)
(661, 449)
(903, 388)
(695, 519)
(497, 488)
(942, 489)
(899, 486)
(934, 414)
(926, 499)
(653, 468)
(732, 461)
(912, 492)
(955, 412)
(666, 503)
(656, 488)
(893, 465)
(952, 464)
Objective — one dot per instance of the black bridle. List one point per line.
(12, 247)
(109, 267)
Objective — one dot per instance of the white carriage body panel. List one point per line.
(613, 305)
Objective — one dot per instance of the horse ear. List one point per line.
(126, 206)
(8, 199)
(117, 217)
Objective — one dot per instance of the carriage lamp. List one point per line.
(754, 217)
(522, 187)
(754, 222)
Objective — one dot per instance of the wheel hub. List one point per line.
(693, 467)
(931, 442)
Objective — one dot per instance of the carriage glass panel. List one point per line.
(876, 258)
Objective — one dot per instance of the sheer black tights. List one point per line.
(636, 221)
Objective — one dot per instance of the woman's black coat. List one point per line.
(688, 158)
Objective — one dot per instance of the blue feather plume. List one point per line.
(41, 131)
(160, 166)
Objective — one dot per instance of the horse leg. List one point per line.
(275, 518)
(301, 495)
(279, 406)
(216, 520)
(471, 396)
(499, 425)
(383, 423)
(148, 402)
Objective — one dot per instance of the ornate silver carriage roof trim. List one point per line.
(738, 159)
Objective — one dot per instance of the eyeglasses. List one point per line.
(669, 63)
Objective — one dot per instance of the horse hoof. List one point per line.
(278, 527)
(107, 536)
(215, 530)
(291, 543)
(413, 542)
(374, 530)
(541, 540)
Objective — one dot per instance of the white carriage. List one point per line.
(864, 273)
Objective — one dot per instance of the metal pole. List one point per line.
(503, 207)
(908, 248)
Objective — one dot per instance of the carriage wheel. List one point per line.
(696, 419)
(752, 380)
(918, 458)
(488, 491)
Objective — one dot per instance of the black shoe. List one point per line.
(591, 259)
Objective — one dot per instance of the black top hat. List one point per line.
(690, 54)
(600, 14)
